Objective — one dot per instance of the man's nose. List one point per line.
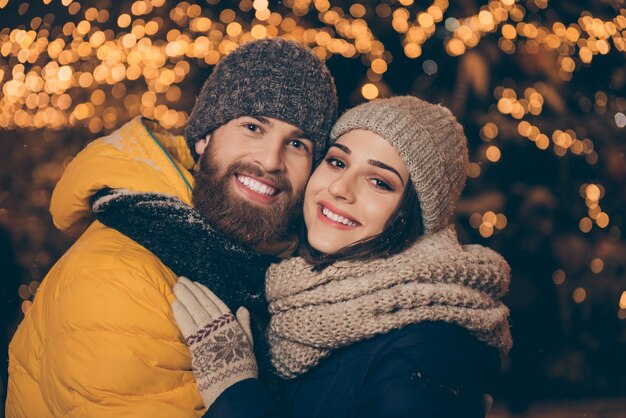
(270, 156)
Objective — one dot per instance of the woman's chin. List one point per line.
(325, 247)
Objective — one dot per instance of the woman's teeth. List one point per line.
(257, 186)
(337, 218)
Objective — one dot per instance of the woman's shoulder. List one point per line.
(437, 334)
(442, 353)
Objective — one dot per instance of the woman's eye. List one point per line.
(335, 163)
(381, 184)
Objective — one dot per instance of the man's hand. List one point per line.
(220, 343)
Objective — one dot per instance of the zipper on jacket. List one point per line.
(168, 156)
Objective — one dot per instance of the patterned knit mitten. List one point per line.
(220, 343)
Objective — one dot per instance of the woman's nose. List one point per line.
(342, 188)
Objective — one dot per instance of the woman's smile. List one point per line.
(336, 218)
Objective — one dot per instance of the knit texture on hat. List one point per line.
(437, 279)
(273, 78)
(430, 141)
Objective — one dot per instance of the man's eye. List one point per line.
(297, 144)
(335, 163)
(253, 127)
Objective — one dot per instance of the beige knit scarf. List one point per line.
(437, 279)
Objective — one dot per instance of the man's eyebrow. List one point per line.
(384, 166)
(263, 120)
(296, 133)
(299, 133)
(342, 147)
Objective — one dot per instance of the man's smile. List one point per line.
(256, 189)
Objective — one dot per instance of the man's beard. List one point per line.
(250, 224)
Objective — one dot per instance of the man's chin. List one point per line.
(246, 221)
(230, 208)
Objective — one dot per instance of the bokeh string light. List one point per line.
(61, 74)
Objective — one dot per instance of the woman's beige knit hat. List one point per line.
(430, 141)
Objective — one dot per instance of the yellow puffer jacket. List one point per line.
(100, 339)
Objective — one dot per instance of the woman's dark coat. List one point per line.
(431, 369)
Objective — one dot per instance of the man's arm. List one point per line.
(112, 349)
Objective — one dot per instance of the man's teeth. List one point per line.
(337, 218)
(257, 186)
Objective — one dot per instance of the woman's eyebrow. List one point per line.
(375, 163)
(384, 166)
(342, 147)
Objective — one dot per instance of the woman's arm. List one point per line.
(244, 399)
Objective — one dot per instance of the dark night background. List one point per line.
(538, 85)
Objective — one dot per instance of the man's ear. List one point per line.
(202, 144)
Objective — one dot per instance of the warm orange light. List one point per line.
(412, 50)
(579, 295)
(379, 66)
(369, 91)
(558, 277)
(597, 265)
(493, 154)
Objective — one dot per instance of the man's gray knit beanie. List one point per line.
(430, 141)
(274, 78)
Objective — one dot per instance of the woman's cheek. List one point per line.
(378, 211)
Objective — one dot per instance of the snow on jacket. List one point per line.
(100, 339)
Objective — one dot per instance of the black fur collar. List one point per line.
(182, 239)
